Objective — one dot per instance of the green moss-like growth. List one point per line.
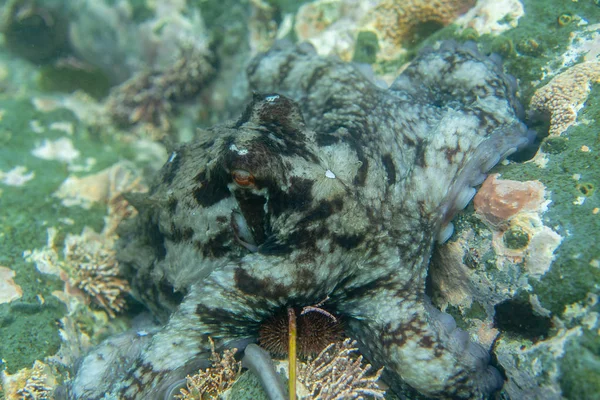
(580, 367)
(29, 331)
(554, 145)
(66, 79)
(366, 48)
(515, 238)
(476, 311)
(29, 325)
(571, 277)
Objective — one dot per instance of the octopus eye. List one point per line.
(243, 178)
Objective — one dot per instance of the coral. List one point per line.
(370, 31)
(214, 380)
(562, 97)
(492, 16)
(95, 270)
(399, 24)
(149, 97)
(336, 373)
(105, 187)
(36, 383)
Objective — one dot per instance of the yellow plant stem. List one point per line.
(292, 352)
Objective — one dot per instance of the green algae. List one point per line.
(515, 238)
(529, 49)
(580, 367)
(477, 310)
(67, 79)
(571, 276)
(366, 48)
(554, 145)
(29, 325)
(29, 331)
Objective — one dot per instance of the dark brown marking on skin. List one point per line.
(212, 190)
(348, 290)
(390, 168)
(179, 235)
(316, 76)
(451, 152)
(349, 242)
(157, 241)
(326, 139)
(427, 341)
(172, 205)
(420, 154)
(298, 198)
(265, 288)
(217, 246)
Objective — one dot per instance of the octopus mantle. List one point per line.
(327, 187)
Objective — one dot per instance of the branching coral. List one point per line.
(212, 382)
(39, 385)
(148, 98)
(336, 374)
(95, 270)
(564, 95)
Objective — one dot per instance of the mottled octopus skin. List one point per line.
(352, 185)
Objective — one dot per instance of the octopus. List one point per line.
(327, 187)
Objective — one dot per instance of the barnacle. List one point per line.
(564, 19)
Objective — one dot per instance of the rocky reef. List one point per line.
(520, 273)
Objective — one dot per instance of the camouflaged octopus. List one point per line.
(327, 187)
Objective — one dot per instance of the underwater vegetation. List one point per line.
(109, 82)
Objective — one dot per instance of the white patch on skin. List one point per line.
(241, 152)
(173, 156)
(329, 174)
(271, 99)
(57, 150)
(17, 176)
